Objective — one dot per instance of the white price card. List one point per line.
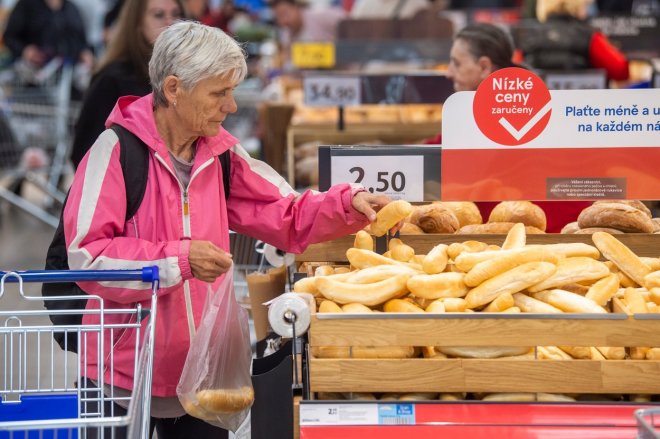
(397, 176)
(339, 414)
(332, 91)
(589, 79)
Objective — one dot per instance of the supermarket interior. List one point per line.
(321, 219)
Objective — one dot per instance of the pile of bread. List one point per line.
(464, 217)
(616, 216)
(473, 276)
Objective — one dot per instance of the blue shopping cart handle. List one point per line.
(146, 274)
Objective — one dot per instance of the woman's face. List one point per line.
(203, 109)
(465, 70)
(159, 15)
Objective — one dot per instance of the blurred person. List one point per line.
(387, 8)
(563, 40)
(196, 9)
(39, 30)
(477, 51)
(124, 68)
(299, 22)
(183, 222)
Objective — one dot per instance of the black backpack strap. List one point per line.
(225, 162)
(134, 159)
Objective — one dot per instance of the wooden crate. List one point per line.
(484, 375)
(641, 243)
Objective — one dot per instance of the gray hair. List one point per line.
(193, 52)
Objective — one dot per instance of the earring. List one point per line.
(174, 103)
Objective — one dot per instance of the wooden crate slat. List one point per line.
(483, 332)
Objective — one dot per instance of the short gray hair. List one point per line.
(193, 52)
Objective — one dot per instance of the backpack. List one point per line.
(133, 157)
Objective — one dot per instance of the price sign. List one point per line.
(583, 80)
(331, 91)
(393, 176)
(313, 55)
(339, 414)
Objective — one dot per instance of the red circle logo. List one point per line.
(512, 106)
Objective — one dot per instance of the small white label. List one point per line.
(576, 81)
(329, 91)
(397, 176)
(338, 414)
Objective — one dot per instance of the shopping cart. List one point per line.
(646, 422)
(36, 121)
(45, 393)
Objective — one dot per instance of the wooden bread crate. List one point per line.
(484, 375)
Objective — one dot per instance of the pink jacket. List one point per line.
(261, 205)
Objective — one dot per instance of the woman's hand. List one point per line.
(207, 261)
(368, 204)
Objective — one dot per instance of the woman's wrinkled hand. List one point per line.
(208, 261)
(368, 204)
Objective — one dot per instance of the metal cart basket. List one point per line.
(646, 421)
(44, 391)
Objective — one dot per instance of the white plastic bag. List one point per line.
(216, 384)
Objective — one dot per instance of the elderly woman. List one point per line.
(183, 221)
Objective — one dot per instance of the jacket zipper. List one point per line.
(185, 203)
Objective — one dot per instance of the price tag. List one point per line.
(313, 55)
(576, 81)
(396, 414)
(399, 177)
(339, 414)
(331, 91)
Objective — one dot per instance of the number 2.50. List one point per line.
(397, 181)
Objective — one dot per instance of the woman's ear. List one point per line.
(171, 88)
(486, 65)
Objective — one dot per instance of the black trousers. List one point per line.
(184, 427)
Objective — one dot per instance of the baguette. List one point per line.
(652, 263)
(512, 281)
(483, 351)
(306, 285)
(456, 248)
(529, 304)
(378, 273)
(389, 216)
(495, 266)
(360, 258)
(394, 242)
(226, 400)
(435, 286)
(437, 306)
(366, 294)
(402, 253)
(501, 303)
(516, 238)
(577, 352)
(512, 310)
(622, 256)
(363, 240)
(436, 260)
(452, 304)
(602, 291)
(356, 308)
(653, 354)
(510, 397)
(613, 353)
(639, 353)
(573, 249)
(597, 355)
(329, 306)
(552, 353)
(569, 302)
(497, 228)
(652, 280)
(452, 396)
(398, 305)
(635, 301)
(324, 270)
(571, 270)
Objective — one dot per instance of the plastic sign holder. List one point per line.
(513, 139)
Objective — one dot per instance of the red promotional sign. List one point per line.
(512, 106)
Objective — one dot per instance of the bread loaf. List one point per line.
(617, 216)
(410, 229)
(436, 260)
(389, 216)
(570, 270)
(366, 294)
(570, 228)
(226, 400)
(519, 212)
(497, 265)
(465, 211)
(434, 218)
(632, 203)
(622, 256)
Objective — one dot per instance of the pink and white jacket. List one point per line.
(261, 205)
